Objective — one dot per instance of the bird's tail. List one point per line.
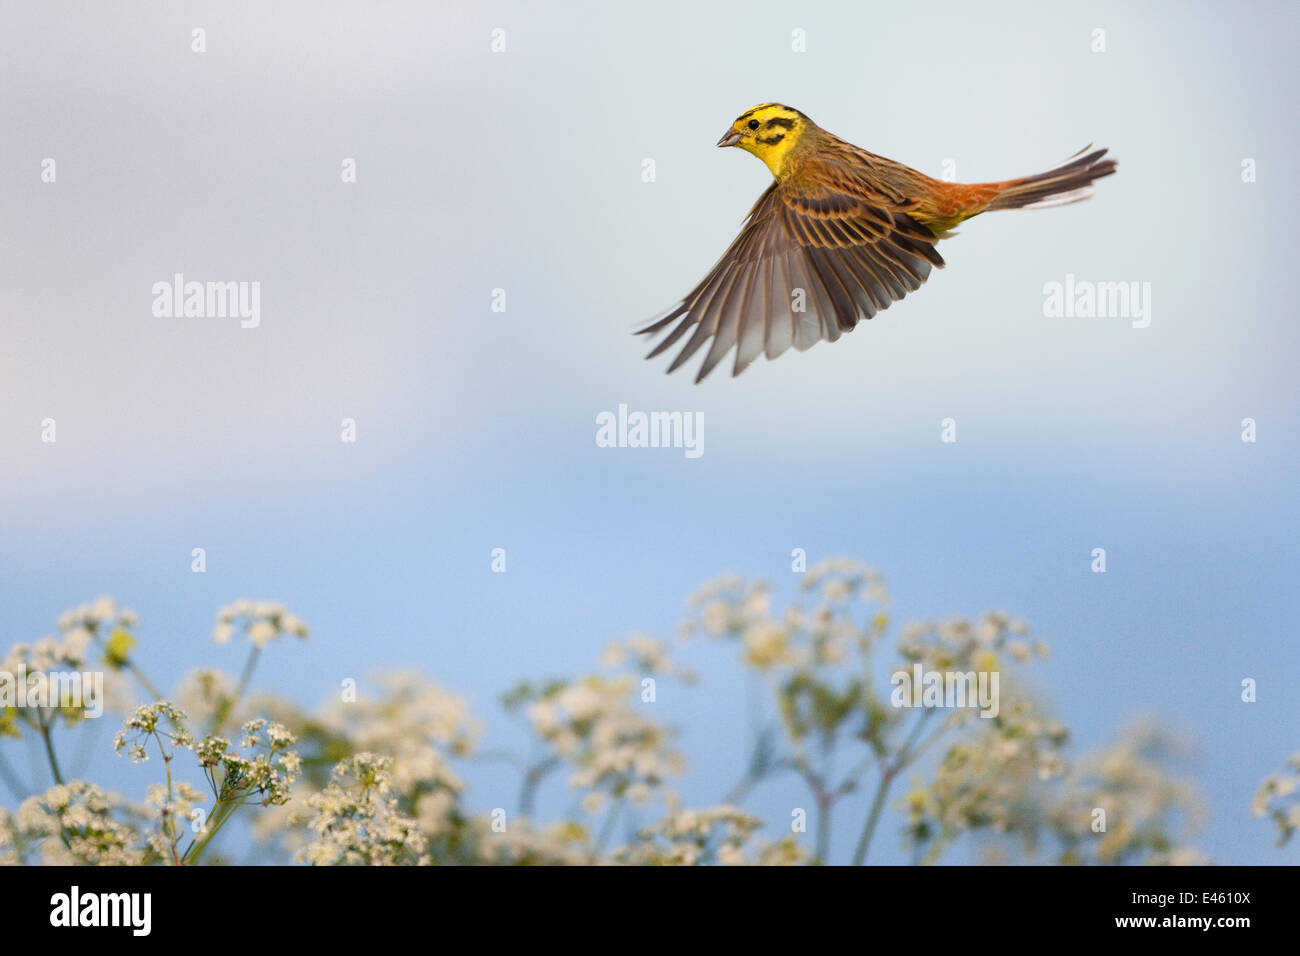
(1067, 183)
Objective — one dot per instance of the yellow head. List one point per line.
(770, 132)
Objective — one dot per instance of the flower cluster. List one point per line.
(1122, 803)
(1279, 797)
(263, 776)
(77, 824)
(723, 834)
(150, 724)
(100, 623)
(356, 820)
(645, 655)
(960, 645)
(107, 625)
(76, 821)
(520, 842)
(261, 621)
(595, 725)
(985, 779)
(375, 778)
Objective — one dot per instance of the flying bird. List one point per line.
(839, 235)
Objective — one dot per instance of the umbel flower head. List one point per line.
(78, 824)
(356, 819)
(100, 623)
(261, 621)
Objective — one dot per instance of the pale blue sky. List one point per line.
(476, 430)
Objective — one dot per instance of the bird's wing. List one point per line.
(812, 260)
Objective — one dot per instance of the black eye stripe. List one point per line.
(782, 122)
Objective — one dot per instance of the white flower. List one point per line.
(292, 624)
(433, 811)
(75, 643)
(715, 618)
(731, 855)
(757, 604)
(544, 716)
(765, 645)
(103, 609)
(580, 701)
(261, 632)
(837, 589)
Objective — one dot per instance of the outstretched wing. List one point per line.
(811, 261)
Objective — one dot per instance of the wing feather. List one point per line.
(807, 323)
(848, 243)
(780, 335)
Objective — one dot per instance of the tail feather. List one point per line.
(1067, 183)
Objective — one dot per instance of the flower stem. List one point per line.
(222, 812)
(532, 778)
(49, 752)
(877, 804)
(228, 705)
(169, 819)
(607, 828)
(824, 804)
(144, 681)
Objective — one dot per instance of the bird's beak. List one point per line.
(729, 138)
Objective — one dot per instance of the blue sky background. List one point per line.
(522, 171)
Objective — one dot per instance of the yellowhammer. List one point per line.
(837, 237)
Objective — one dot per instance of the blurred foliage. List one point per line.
(376, 777)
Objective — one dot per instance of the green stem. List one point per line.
(925, 744)
(144, 681)
(129, 665)
(222, 812)
(908, 753)
(825, 802)
(253, 653)
(49, 752)
(532, 778)
(850, 780)
(607, 827)
(219, 718)
(904, 752)
(173, 837)
(878, 804)
(742, 788)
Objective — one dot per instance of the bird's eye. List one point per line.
(753, 124)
